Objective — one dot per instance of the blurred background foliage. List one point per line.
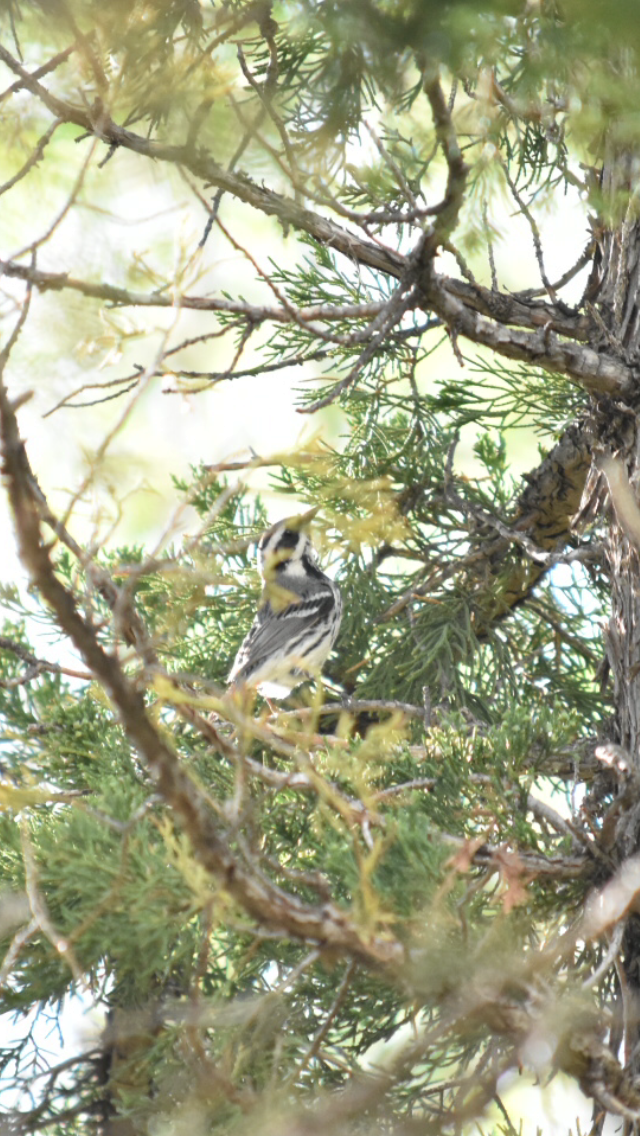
(205, 1020)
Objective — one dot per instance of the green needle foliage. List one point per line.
(360, 909)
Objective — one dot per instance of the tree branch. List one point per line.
(122, 297)
(326, 925)
(542, 515)
(457, 169)
(598, 373)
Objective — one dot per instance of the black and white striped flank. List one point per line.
(298, 619)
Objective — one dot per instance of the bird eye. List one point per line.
(288, 539)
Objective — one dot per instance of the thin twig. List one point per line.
(15, 946)
(35, 666)
(585, 258)
(33, 158)
(542, 811)
(324, 1028)
(535, 232)
(40, 72)
(609, 957)
(492, 263)
(399, 303)
(393, 166)
(449, 208)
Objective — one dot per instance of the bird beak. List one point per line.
(302, 520)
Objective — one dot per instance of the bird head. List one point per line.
(285, 543)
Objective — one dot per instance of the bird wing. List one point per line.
(275, 634)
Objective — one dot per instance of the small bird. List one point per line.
(298, 617)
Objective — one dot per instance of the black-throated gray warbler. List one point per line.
(298, 618)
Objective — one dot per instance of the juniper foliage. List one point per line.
(365, 910)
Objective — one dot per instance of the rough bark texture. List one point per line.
(614, 289)
(613, 292)
(545, 509)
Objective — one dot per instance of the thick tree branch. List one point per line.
(326, 925)
(497, 306)
(544, 512)
(599, 373)
(518, 309)
(541, 518)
